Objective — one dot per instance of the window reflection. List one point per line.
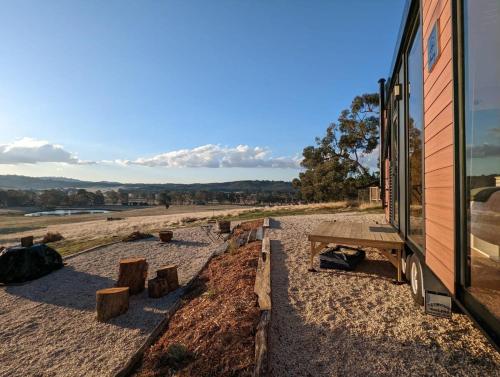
(482, 134)
(415, 141)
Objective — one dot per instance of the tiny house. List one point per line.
(440, 153)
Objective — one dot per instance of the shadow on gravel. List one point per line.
(69, 288)
(330, 347)
(372, 269)
(187, 243)
(274, 224)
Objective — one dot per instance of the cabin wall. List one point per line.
(439, 144)
(387, 189)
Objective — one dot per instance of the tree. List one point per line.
(52, 198)
(336, 167)
(164, 199)
(98, 199)
(112, 196)
(123, 196)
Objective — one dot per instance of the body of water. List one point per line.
(66, 212)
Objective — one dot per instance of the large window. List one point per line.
(415, 142)
(482, 142)
(395, 160)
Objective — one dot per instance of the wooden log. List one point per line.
(158, 287)
(133, 273)
(166, 235)
(170, 274)
(111, 302)
(27, 241)
(261, 345)
(266, 222)
(262, 286)
(224, 226)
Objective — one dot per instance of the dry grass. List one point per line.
(95, 229)
(84, 230)
(370, 206)
(52, 237)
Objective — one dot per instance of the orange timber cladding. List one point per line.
(438, 146)
(440, 154)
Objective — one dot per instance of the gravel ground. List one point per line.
(335, 323)
(48, 326)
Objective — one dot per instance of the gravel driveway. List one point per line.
(48, 326)
(335, 323)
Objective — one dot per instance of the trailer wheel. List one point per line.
(415, 272)
(405, 266)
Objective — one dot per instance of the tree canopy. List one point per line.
(337, 165)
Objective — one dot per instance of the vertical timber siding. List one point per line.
(386, 187)
(438, 134)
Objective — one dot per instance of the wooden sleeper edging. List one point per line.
(263, 290)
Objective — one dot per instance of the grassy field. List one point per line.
(16, 222)
(81, 232)
(324, 208)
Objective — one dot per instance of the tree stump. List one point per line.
(111, 302)
(224, 226)
(158, 287)
(166, 235)
(27, 241)
(169, 273)
(133, 273)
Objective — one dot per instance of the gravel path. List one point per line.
(48, 326)
(334, 323)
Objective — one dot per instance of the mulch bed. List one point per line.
(213, 333)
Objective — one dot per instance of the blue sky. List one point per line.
(181, 91)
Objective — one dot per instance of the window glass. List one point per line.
(394, 162)
(415, 141)
(482, 139)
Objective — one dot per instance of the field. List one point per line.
(84, 231)
(81, 232)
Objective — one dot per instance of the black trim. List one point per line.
(383, 140)
(415, 24)
(401, 33)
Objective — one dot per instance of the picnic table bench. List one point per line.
(380, 236)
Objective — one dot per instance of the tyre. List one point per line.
(415, 279)
(405, 266)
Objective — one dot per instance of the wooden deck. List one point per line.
(380, 236)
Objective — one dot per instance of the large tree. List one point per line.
(337, 165)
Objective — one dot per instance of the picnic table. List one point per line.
(383, 237)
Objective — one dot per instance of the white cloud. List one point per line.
(216, 156)
(32, 151)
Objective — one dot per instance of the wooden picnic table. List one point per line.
(380, 236)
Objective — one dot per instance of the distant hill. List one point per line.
(20, 182)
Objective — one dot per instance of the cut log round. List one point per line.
(133, 274)
(27, 241)
(157, 287)
(224, 226)
(166, 235)
(111, 302)
(170, 274)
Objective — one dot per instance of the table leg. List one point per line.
(313, 250)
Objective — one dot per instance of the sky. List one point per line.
(181, 91)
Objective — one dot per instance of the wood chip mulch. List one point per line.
(213, 333)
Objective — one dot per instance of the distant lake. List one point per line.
(66, 212)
